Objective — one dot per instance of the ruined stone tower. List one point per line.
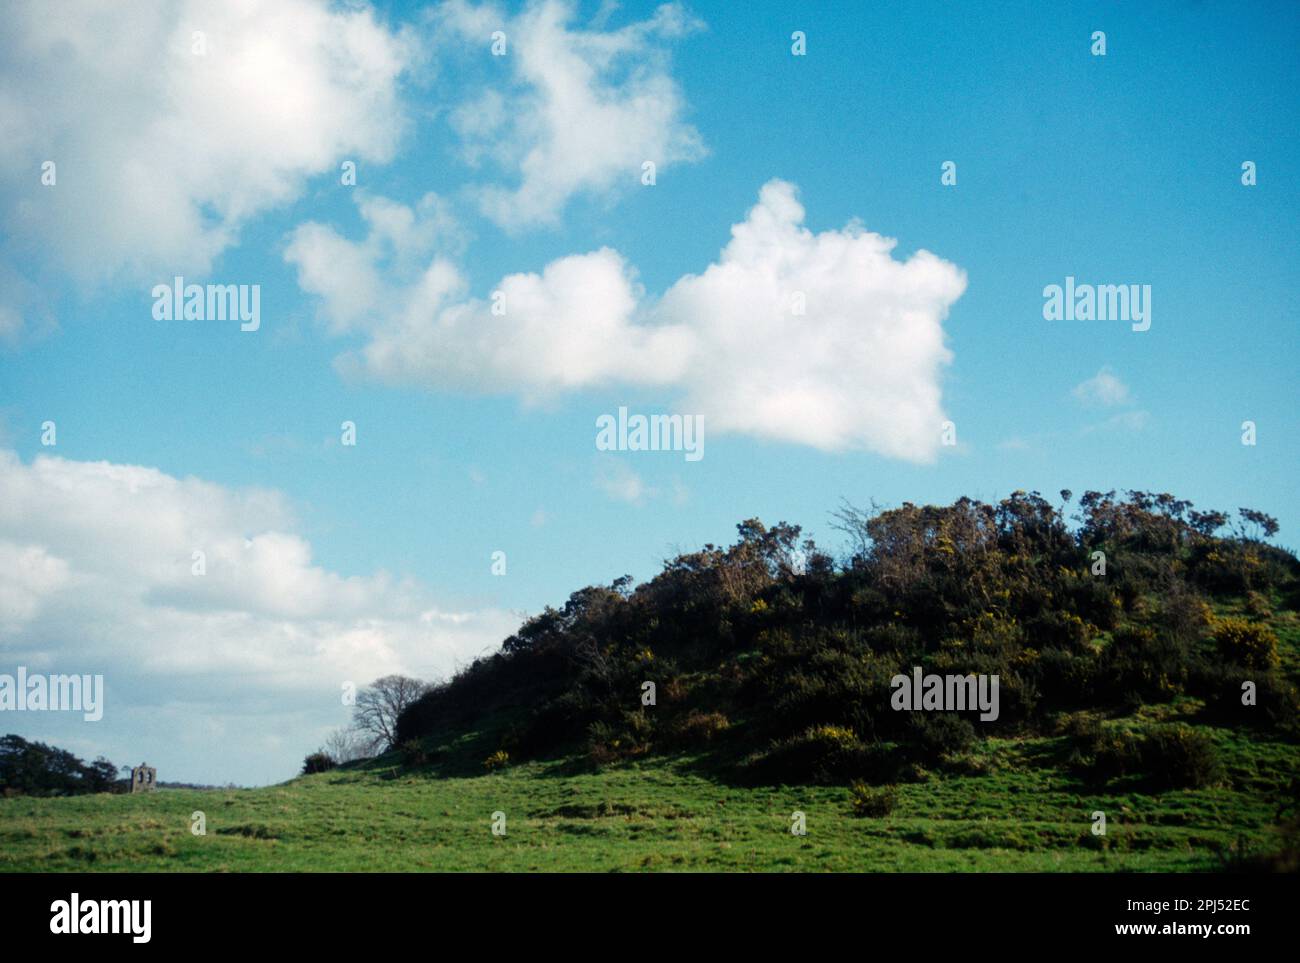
(144, 778)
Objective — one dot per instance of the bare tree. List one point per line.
(378, 706)
(346, 745)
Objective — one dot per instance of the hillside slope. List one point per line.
(1121, 693)
(780, 665)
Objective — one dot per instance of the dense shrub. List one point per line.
(1246, 643)
(873, 801)
(317, 762)
(1069, 679)
(627, 735)
(35, 769)
(1169, 756)
(1275, 703)
(1080, 728)
(1108, 753)
(933, 735)
(821, 754)
(790, 654)
(1143, 664)
(413, 754)
(1179, 757)
(1258, 606)
(698, 728)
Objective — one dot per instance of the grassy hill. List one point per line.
(1121, 674)
(658, 814)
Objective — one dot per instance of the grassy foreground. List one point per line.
(1019, 814)
(1122, 693)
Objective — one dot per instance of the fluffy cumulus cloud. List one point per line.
(821, 339)
(570, 326)
(172, 124)
(582, 109)
(97, 575)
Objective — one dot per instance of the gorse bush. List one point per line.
(1251, 644)
(937, 734)
(1275, 705)
(699, 728)
(873, 801)
(1169, 756)
(779, 659)
(1180, 757)
(820, 754)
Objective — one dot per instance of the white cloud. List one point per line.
(1102, 390)
(163, 154)
(620, 482)
(860, 368)
(583, 109)
(352, 279)
(96, 576)
(569, 327)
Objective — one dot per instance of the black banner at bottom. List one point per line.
(351, 910)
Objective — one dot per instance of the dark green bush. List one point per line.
(698, 728)
(1169, 756)
(1110, 754)
(317, 762)
(1177, 756)
(1276, 701)
(933, 735)
(821, 754)
(873, 801)
(413, 754)
(36, 769)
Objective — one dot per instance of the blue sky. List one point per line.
(1119, 169)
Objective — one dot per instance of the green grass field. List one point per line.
(1006, 804)
(1018, 814)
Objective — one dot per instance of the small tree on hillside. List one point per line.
(378, 706)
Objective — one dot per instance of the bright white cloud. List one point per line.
(818, 339)
(352, 278)
(582, 111)
(537, 334)
(96, 575)
(858, 368)
(1102, 390)
(162, 153)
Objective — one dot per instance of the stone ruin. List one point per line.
(144, 778)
